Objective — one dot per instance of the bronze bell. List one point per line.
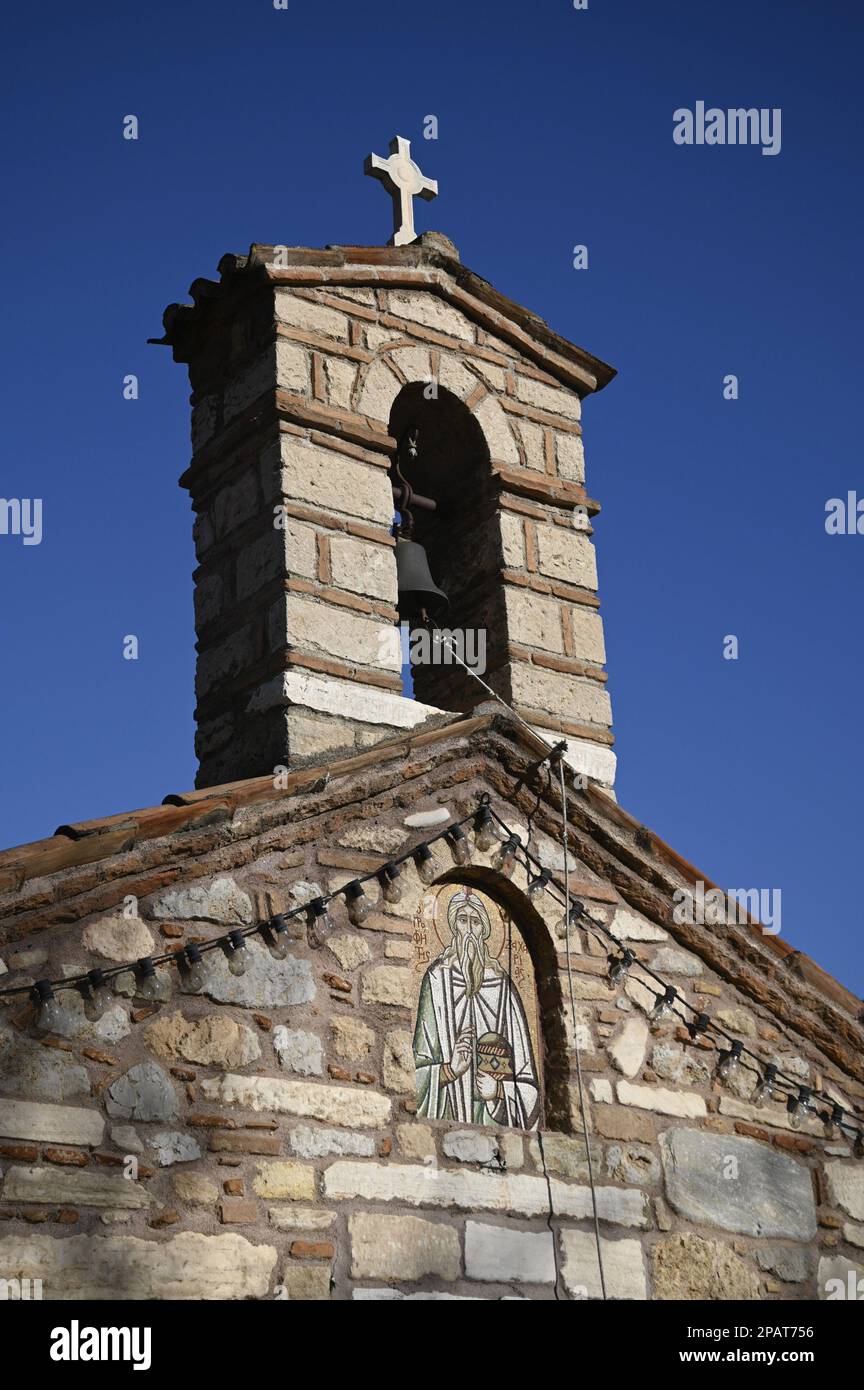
(419, 595)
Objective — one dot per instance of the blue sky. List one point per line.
(555, 128)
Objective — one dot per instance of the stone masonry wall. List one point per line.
(278, 1154)
(295, 621)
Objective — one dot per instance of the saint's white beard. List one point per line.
(472, 961)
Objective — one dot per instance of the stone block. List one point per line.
(351, 950)
(214, 1040)
(662, 1101)
(331, 481)
(471, 1146)
(341, 1105)
(73, 1187)
(388, 984)
(623, 1267)
(402, 1248)
(519, 1194)
(501, 1255)
(334, 633)
(52, 1124)
(292, 1181)
(266, 984)
(570, 697)
(118, 938)
(566, 555)
(39, 1073)
(306, 1283)
(312, 317)
(689, 1267)
(220, 901)
(299, 1050)
(124, 1268)
(846, 1187)
(352, 1040)
(421, 307)
(144, 1092)
(364, 568)
(533, 620)
(553, 399)
(317, 1143)
(627, 1046)
(737, 1184)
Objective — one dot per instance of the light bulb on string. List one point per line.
(662, 1007)
(426, 864)
(147, 983)
(569, 920)
(504, 859)
(48, 1010)
(766, 1088)
(538, 883)
(798, 1107)
(318, 922)
(698, 1026)
(858, 1146)
(236, 952)
(459, 844)
(96, 995)
(193, 971)
(391, 888)
(485, 830)
(359, 905)
(833, 1121)
(729, 1066)
(619, 966)
(277, 935)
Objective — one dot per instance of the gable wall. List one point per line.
(274, 1130)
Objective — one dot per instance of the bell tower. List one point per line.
(361, 414)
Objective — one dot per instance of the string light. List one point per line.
(48, 1006)
(663, 1005)
(765, 1087)
(570, 919)
(834, 1121)
(426, 865)
(147, 985)
(391, 888)
(318, 921)
(236, 952)
(698, 1026)
(485, 830)
(798, 1107)
(277, 935)
(619, 966)
(504, 859)
(729, 1066)
(95, 994)
(359, 906)
(460, 845)
(193, 972)
(537, 884)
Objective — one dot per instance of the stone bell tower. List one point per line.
(307, 368)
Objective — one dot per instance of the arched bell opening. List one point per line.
(448, 551)
(525, 925)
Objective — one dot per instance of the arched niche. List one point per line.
(516, 1014)
(461, 538)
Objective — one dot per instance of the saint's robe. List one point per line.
(445, 1011)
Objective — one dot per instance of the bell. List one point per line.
(419, 595)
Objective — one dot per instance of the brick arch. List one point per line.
(555, 1061)
(406, 362)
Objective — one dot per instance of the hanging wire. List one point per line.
(576, 1043)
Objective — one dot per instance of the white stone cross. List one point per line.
(404, 181)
